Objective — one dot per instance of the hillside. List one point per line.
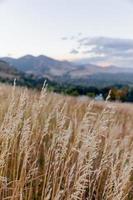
(9, 73)
(41, 65)
(101, 80)
(67, 72)
(56, 147)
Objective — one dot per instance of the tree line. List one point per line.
(118, 92)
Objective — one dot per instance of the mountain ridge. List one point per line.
(40, 65)
(68, 72)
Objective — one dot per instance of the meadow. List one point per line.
(55, 147)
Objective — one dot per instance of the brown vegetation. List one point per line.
(54, 147)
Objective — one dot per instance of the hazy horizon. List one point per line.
(100, 33)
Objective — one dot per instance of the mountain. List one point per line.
(40, 65)
(101, 80)
(46, 66)
(86, 70)
(70, 73)
(8, 74)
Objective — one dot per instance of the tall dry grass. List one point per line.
(61, 148)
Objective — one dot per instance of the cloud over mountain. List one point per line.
(104, 49)
(74, 51)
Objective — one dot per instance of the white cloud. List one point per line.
(74, 51)
(115, 50)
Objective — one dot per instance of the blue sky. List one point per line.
(56, 27)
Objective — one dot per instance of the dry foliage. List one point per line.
(61, 148)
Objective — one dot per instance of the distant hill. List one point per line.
(89, 69)
(41, 65)
(67, 72)
(8, 73)
(101, 80)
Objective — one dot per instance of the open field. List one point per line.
(54, 147)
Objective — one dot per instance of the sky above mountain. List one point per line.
(98, 31)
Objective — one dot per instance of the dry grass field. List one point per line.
(61, 148)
